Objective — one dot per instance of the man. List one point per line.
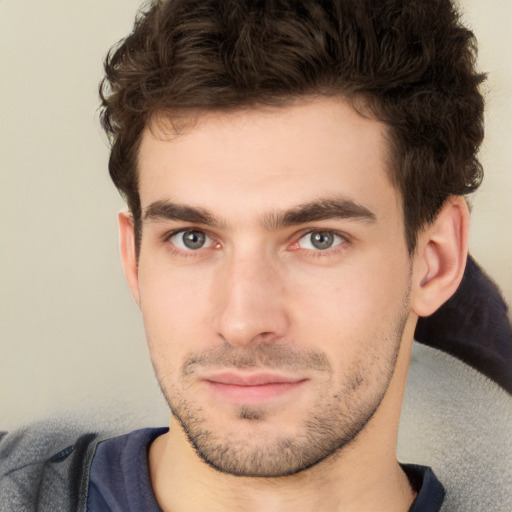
(294, 172)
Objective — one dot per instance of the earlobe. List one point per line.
(440, 258)
(128, 252)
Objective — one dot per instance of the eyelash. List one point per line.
(345, 242)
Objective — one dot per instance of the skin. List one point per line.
(258, 301)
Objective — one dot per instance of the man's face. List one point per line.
(273, 280)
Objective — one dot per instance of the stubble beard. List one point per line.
(329, 427)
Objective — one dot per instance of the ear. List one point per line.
(440, 257)
(128, 253)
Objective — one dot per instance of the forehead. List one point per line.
(266, 158)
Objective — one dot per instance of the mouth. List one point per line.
(251, 388)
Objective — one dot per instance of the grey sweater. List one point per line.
(45, 468)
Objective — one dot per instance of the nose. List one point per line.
(250, 299)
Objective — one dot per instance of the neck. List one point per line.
(351, 480)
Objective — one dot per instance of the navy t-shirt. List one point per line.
(119, 477)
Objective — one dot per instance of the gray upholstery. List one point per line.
(460, 423)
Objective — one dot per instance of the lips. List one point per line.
(257, 379)
(250, 388)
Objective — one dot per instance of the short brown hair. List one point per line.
(411, 61)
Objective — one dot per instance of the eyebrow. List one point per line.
(323, 209)
(166, 210)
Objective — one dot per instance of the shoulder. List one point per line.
(42, 467)
(119, 477)
(47, 466)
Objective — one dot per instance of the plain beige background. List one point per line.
(71, 337)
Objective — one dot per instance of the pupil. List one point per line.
(193, 239)
(322, 240)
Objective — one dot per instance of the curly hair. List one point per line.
(411, 62)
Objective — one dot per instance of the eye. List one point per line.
(191, 240)
(320, 240)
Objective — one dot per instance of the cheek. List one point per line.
(350, 305)
(173, 310)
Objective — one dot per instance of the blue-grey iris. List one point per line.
(194, 239)
(322, 240)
